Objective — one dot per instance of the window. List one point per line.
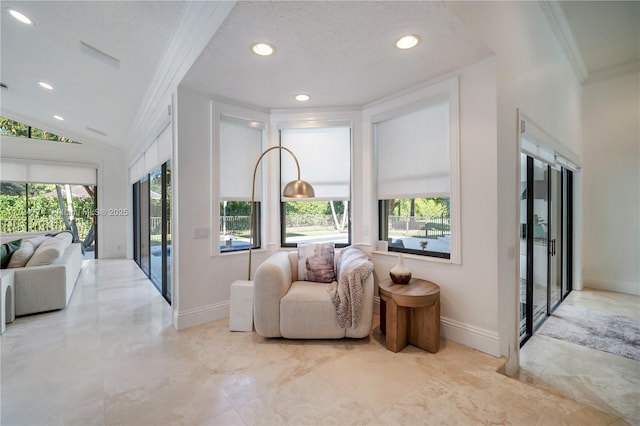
(240, 146)
(417, 225)
(417, 154)
(16, 129)
(324, 154)
(42, 196)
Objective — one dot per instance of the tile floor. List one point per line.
(602, 380)
(112, 357)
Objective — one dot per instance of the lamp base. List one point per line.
(241, 306)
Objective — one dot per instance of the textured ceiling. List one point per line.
(341, 53)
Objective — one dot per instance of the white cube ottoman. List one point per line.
(241, 306)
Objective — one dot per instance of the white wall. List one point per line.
(203, 281)
(479, 297)
(533, 75)
(112, 183)
(468, 291)
(204, 276)
(611, 184)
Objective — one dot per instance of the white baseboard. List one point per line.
(475, 337)
(626, 287)
(200, 315)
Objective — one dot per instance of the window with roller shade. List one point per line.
(414, 176)
(46, 195)
(324, 154)
(240, 147)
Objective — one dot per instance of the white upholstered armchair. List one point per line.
(283, 306)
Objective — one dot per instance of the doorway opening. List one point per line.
(546, 232)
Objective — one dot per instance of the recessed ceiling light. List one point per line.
(408, 41)
(262, 49)
(45, 85)
(302, 97)
(57, 117)
(19, 16)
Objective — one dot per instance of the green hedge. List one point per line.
(44, 214)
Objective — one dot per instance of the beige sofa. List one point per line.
(45, 287)
(286, 307)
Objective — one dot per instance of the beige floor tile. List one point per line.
(113, 357)
(605, 381)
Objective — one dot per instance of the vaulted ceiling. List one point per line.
(101, 56)
(98, 56)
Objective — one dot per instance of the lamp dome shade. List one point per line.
(298, 189)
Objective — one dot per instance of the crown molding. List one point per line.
(613, 72)
(198, 24)
(560, 27)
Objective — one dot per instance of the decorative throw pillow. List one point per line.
(7, 250)
(48, 251)
(22, 255)
(315, 262)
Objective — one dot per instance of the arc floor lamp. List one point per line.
(294, 189)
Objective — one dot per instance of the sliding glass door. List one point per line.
(539, 197)
(555, 237)
(152, 227)
(545, 241)
(567, 232)
(144, 225)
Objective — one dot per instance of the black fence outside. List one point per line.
(421, 227)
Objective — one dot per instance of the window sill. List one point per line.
(412, 256)
(238, 252)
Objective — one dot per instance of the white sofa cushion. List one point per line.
(66, 237)
(36, 241)
(307, 312)
(48, 287)
(22, 255)
(20, 258)
(49, 250)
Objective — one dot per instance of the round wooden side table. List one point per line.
(410, 314)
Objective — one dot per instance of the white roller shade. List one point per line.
(413, 154)
(566, 163)
(165, 145)
(14, 170)
(529, 145)
(240, 148)
(324, 155)
(136, 171)
(536, 149)
(151, 157)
